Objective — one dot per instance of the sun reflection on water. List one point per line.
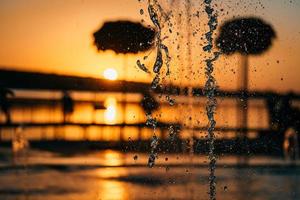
(112, 190)
(112, 158)
(110, 114)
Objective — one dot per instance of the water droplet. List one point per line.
(158, 62)
(142, 66)
(170, 100)
(141, 11)
(225, 188)
(151, 121)
(153, 154)
(155, 82)
(173, 131)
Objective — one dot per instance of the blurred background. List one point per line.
(75, 103)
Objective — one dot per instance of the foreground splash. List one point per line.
(210, 92)
(156, 12)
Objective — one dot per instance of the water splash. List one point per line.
(151, 121)
(158, 17)
(155, 82)
(153, 153)
(210, 92)
(173, 132)
(154, 11)
(142, 66)
(170, 100)
(156, 14)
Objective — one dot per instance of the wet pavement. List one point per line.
(111, 175)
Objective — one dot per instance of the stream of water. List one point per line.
(157, 14)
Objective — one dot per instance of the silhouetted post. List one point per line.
(68, 106)
(5, 104)
(243, 102)
(85, 133)
(190, 71)
(122, 132)
(139, 133)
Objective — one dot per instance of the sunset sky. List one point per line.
(55, 36)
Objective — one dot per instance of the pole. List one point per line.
(245, 90)
(243, 106)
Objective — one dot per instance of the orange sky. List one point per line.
(55, 36)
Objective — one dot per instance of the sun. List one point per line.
(110, 74)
